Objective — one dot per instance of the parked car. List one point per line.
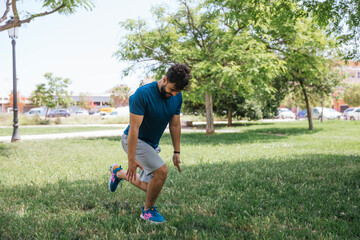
(107, 109)
(98, 113)
(36, 111)
(59, 113)
(93, 111)
(118, 112)
(354, 115)
(285, 113)
(328, 113)
(347, 111)
(81, 112)
(301, 114)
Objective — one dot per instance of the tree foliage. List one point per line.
(120, 95)
(339, 18)
(53, 93)
(11, 7)
(85, 101)
(351, 94)
(219, 54)
(310, 68)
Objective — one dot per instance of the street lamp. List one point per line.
(13, 34)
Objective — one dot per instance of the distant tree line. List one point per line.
(245, 56)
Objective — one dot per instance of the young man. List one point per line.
(152, 107)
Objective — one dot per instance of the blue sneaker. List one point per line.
(114, 180)
(152, 215)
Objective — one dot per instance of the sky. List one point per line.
(78, 46)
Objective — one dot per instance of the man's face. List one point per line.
(168, 90)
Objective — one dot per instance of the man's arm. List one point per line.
(135, 122)
(175, 131)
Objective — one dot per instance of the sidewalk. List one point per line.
(104, 133)
(91, 134)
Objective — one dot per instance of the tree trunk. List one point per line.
(209, 114)
(307, 106)
(229, 115)
(322, 111)
(46, 112)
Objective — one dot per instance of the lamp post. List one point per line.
(13, 34)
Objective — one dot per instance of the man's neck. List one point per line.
(159, 84)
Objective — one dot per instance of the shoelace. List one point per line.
(154, 211)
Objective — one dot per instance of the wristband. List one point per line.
(176, 152)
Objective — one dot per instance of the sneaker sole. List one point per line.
(112, 167)
(149, 221)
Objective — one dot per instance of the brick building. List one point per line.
(352, 72)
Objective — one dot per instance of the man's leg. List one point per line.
(142, 185)
(154, 186)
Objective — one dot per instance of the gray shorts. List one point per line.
(147, 156)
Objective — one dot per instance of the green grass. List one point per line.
(51, 130)
(267, 181)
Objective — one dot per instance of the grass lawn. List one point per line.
(51, 130)
(268, 181)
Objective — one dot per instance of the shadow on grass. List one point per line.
(4, 150)
(247, 136)
(309, 196)
(241, 124)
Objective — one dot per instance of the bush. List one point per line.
(33, 120)
(5, 119)
(57, 121)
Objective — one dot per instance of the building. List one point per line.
(95, 100)
(352, 76)
(4, 103)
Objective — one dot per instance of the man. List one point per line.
(152, 107)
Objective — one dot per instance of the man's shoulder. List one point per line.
(145, 89)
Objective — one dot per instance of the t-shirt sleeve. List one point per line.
(137, 103)
(178, 110)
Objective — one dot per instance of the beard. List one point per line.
(164, 94)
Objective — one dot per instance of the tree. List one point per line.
(84, 103)
(340, 18)
(352, 94)
(218, 54)
(310, 69)
(51, 6)
(293, 36)
(53, 93)
(120, 95)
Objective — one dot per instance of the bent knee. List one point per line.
(161, 172)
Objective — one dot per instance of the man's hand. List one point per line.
(131, 172)
(176, 161)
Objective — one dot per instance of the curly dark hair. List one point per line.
(179, 74)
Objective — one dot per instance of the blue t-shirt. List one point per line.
(148, 102)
